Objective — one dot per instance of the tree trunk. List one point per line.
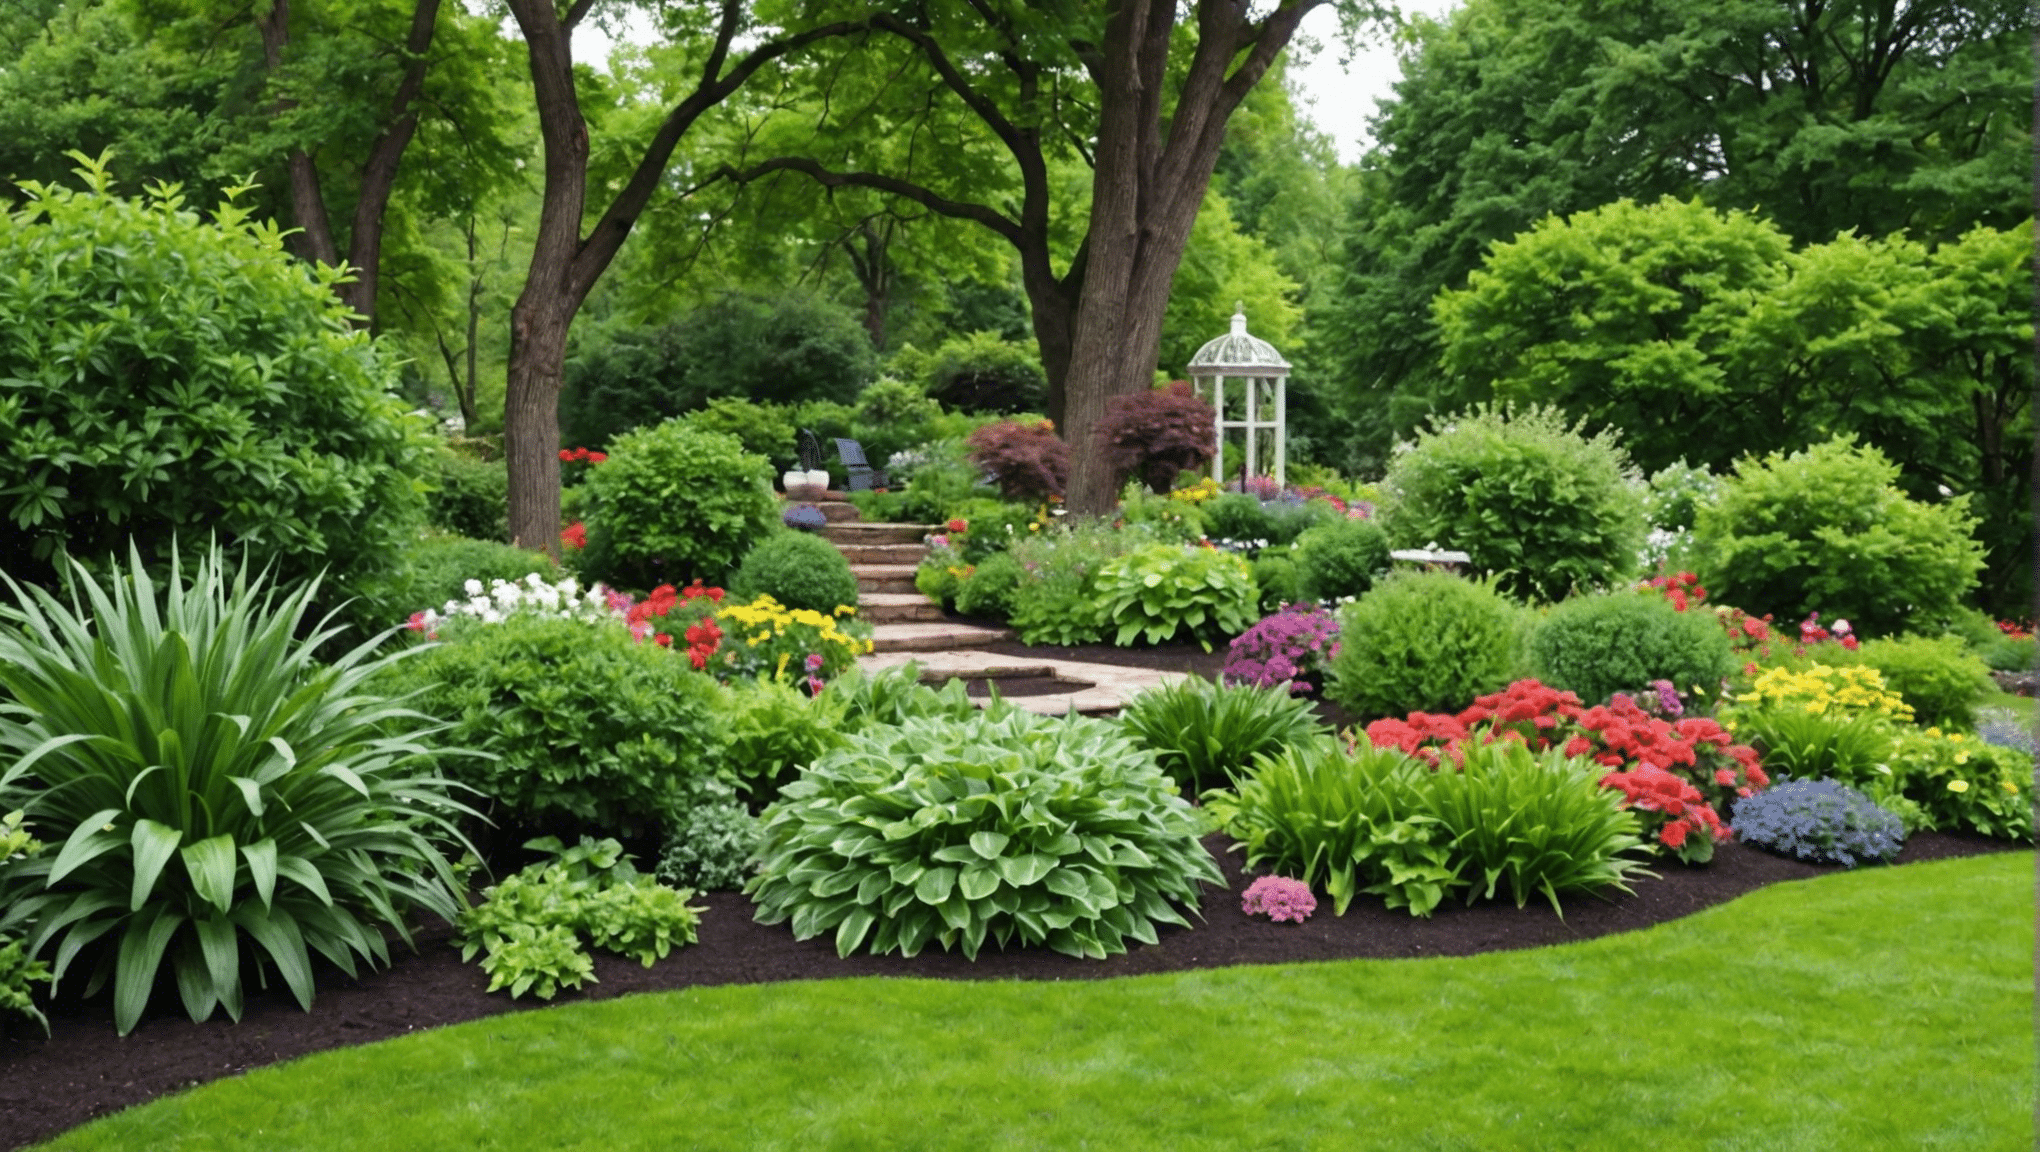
(531, 418)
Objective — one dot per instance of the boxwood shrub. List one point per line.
(1017, 829)
(799, 571)
(1597, 646)
(1422, 642)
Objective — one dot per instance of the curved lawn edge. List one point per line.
(1879, 1008)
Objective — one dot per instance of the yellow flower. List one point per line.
(1933, 731)
(1958, 786)
(1962, 757)
(2008, 786)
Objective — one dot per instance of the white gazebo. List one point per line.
(1256, 362)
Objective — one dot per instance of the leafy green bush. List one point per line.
(940, 576)
(988, 590)
(890, 698)
(1376, 820)
(1238, 517)
(1599, 645)
(983, 373)
(1203, 733)
(1058, 602)
(473, 497)
(1676, 494)
(799, 571)
(1160, 590)
(1162, 517)
(1340, 558)
(674, 504)
(582, 720)
(1537, 505)
(212, 782)
(710, 848)
(169, 374)
(1014, 829)
(1827, 530)
(1937, 676)
(1852, 750)
(777, 729)
(19, 971)
(435, 569)
(1421, 642)
(763, 429)
(1275, 576)
(529, 927)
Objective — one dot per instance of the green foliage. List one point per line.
(777, 729)
(1852, 750)
(988, 590)
(581, 720)
(763, 429)
(19, 971)
(982, 372)
(940, 575)
(1017, 829)
(1157, 591)
(674, 504)
(529, 927)
(473, 497)
(1164, 518)
(1676, 494)
(1938, 677)
(1620, 642)
(1378, 821)
(1961, 784)
(1276, 576)
(167, 374)
(1543, 508)
(1058, 601)
(1204, 734)
(946, 488)
(212, 784)
(434, 569)
(1421, 642)
(1340, 558)
(890, 698)
(799, 571)
(710, 848)
(1826, 530)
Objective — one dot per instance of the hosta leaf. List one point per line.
(935, 885)
(978, 882)
(851, 932)
(954, 854)
(1020, 871)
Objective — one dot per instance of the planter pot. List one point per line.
(818, 478)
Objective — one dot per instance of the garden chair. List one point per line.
(863, 478)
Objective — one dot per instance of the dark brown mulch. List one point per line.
(83, 1070)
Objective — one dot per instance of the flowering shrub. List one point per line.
(1198, 493)
(1820, 821)
(1029, 460)
(766, 638)
(533, 597)
(1681, 588)
(1962, 784)
(1278, 899)
(1293, 647)
(574, 537)
(1821, 689)
(575, 462)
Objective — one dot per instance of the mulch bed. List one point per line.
(83, 1070)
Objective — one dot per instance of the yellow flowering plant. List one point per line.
(1823, 690)
(1962, 784)
(790, 645)
(1198, 493)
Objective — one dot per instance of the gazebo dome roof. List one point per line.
(1238, 354)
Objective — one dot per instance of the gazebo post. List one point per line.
(1258, 363)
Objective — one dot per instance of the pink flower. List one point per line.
(1279, 899)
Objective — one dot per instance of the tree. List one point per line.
(1823, 116)
(1144, 101)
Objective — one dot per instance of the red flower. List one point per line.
(574, 536)
(1724, 777)
(1674, 834)
(662, 640)
(596, 457)
(958, 525)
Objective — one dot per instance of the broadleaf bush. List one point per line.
(1421, 642)
(1598, 645)
(797, 570)
(1157, 592)
(675, 504)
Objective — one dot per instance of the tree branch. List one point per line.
(934, 202)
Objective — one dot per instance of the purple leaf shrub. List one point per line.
(1293, 646)
(1278, 898)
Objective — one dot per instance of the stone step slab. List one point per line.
(865, 532)
(1095, 689)
(910, 554)
(883, 577)
(897, 608)
(934, 636)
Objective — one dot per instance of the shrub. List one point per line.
(1542, 508)
(1275, 577)
(1819, 821)
(167, 374)
(763, 429)
(1827, 530)
(709, 849)
(529, 927)
(1240, 519)
(582, 721)
(1203, 734)
(940, 575)
(436, 569)
(1057, 602)
(212, 782)
(473, 497)
(1421, 642)
(775, 731)
(1155, 434)
(675, 504)
(983, 373)
(1961, 784)
(1340, 558)
(1028, 461)
(1016, 829)
(1161, 517)
(19, 971)
(1938, 678)
(1620, 642)
(1291, 647)
(799, 571)
(1157, 591)
(988, 590)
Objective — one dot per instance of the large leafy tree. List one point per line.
(996, 95)
(1823, 115)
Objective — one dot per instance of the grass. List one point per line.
(1886, 1008)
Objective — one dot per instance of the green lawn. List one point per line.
(1883, 1009)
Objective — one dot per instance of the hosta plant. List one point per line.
(1203, 733)
(1156, 592)
(217, 797)
(1016, 829)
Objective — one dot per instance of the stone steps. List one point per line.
(883, 577)
(897, 608)
(908, 554)
(1095, 689)
(939, 636)
(841, 532)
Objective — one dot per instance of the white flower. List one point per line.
(473, 587)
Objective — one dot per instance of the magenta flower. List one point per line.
(1278, 898)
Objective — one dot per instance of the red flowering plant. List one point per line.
(1697, 753)
(574, 537)
(575, 462)
(1749, 637)
(1681, 588)
(693, 603)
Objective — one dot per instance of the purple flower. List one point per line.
(1278, 898)
(1668, 698)
(1291, 645)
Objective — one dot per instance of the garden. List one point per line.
(1512, 766)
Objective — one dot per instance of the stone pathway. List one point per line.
(907, 626)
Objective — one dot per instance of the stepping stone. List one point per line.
(911, 554)
(883, 577)
(1096, 689)
(897, 608)
(936, 636)
(863, 532)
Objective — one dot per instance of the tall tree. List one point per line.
(1141, 90)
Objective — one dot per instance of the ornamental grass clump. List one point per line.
(1820, 821)
(1017, 829)
(1203, 733)
(222, 799)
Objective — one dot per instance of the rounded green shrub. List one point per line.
(673, 504)
(1621, 641)
(583, 722)
(169, 374)
(1018, 829)
(799, 571)
(1827, 530)
(1238, 517)
(1275, 576)
(988, 590)
(473, 497)
(1540, 507)
(1421, 642)
(1340, 558)
(1939, 677)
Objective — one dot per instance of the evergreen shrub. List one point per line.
(799, 571)
(675, 504)
(1340, 558)
(1599, 645)
(1421, 642)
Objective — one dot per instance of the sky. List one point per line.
(1340, 100)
